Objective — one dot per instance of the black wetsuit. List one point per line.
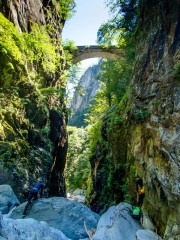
(38, 187)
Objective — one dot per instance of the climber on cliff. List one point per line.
(140, 190)
(37, 188)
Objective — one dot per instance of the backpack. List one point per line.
(141, 191)
(136, 212)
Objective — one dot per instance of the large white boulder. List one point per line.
(28, 229)
(117, 224)
(8, 199)
(63, 214)
(147, 235)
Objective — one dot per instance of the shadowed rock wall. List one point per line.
(154, 118)
(144, 136)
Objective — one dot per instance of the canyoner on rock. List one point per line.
(63, 219)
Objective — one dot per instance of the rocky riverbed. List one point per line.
(58, 218)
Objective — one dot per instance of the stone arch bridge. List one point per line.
(86, 52)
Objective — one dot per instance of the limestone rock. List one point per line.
(78, 192)
(89, 85)
(77, 195)
(29, 229)
(8, 199)
(147, 235)
(63, 214)
(154, 140)
(117, 224)
(79, 198)
(147, 223)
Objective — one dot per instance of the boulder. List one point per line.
(8, 199)
(78, 192)
(147, 235)
(79, 198)
(28, 229)
(147, 223)
(63, 214)
(117, 224)
(77, 195)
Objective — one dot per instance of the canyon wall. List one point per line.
(33, 139)
(154, 118)
(142, 134)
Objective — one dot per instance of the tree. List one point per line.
(122, 24)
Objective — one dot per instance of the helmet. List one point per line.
(39, 179)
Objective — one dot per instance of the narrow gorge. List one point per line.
(125, 122)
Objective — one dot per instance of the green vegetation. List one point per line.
(177, 70)
(65, 8)
(32, 84)
(107, 116)
(77, 165)
(122, 25)
(78, 119)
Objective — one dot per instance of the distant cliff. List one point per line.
(89, 84)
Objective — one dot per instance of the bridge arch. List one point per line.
(86, 52)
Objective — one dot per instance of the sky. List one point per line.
(83, 26)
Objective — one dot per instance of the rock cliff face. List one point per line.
(23, 13)
(146, 136)
(154, 142)
(88, 82)
(32, 127)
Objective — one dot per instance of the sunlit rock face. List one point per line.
(88, 85)
(154, 136)
(22, 13)
(33, 139)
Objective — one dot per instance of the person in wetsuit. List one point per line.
(37, 188)
(140, 190)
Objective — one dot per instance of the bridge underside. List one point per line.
(89, 55)
(86, 52)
